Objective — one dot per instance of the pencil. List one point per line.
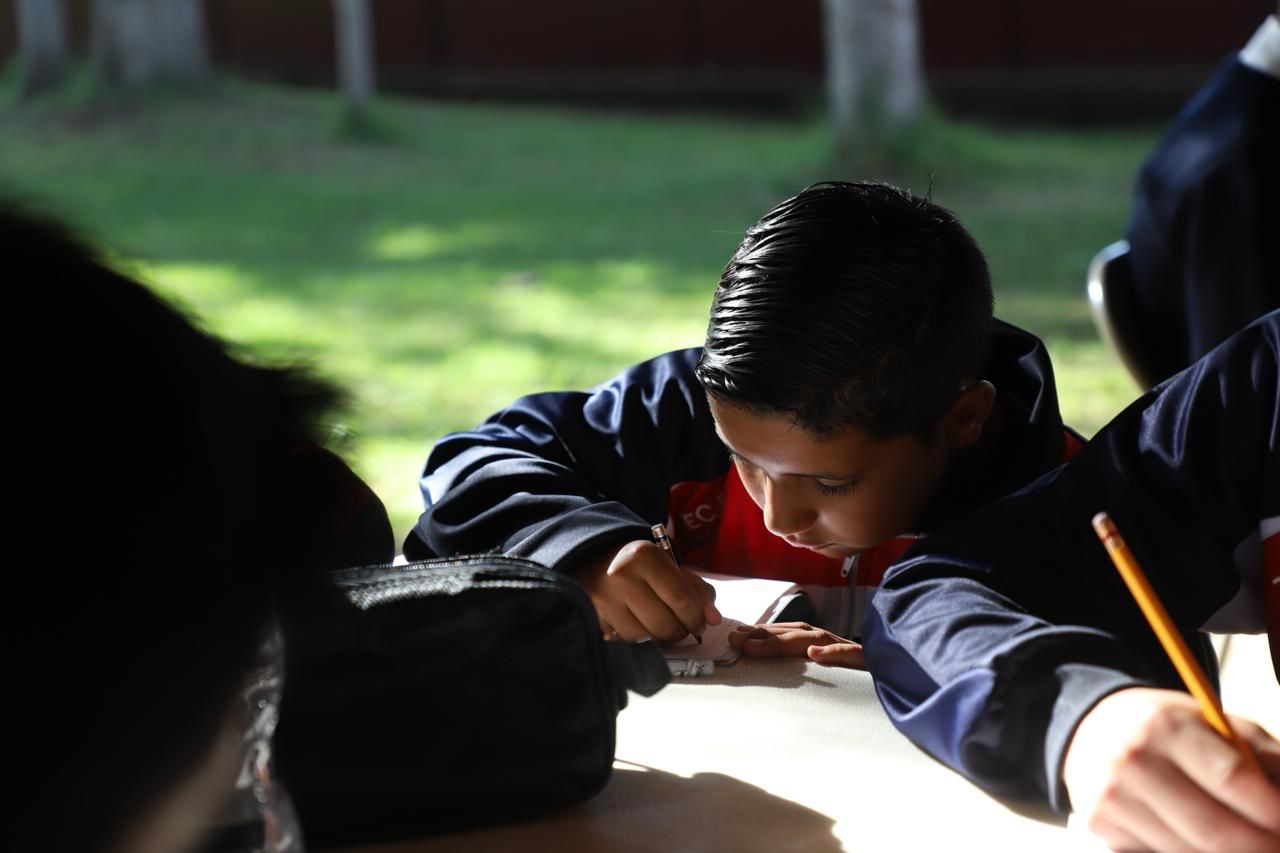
(1174, 646)
(663, 541)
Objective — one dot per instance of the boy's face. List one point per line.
(837, 495)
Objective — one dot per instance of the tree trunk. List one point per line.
(42, 44)
(178, 43)
(139, 42)
(874, 77)
(354, 33)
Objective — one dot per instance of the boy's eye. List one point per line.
(837, 489)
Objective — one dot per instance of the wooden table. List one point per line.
(772, 755)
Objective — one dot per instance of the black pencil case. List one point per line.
(448, 694)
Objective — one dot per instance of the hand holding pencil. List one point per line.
(1170, 638)
(639, 591)
(1161, 770)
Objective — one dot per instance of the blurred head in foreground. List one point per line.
(149, 460)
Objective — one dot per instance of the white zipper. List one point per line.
(850, 563)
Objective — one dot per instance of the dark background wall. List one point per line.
(1081, 59)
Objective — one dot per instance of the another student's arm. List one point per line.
(994, 640)
(1145, 771)
(1224, 227)
(1202, 225)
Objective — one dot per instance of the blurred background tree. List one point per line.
(875, 78)
(137, 43)
(42, 45)
(354, 31)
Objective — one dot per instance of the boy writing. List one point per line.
(846, 398)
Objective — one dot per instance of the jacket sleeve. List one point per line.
(1203, 219)
(557, 475)
(1230, 275)
(991, 639)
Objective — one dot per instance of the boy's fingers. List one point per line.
(670, 585)
(1265, 747)
(817, 636)
(707, 593)
(742, 633)
(838, 654)
(794, 639)
(639, 591)
(1129, 824)
(791, 644)
(655, 617)
(1115, 837)
(778, 641)
(623, 626)
(1144, 761)
(1215, 766)
(1193, 813)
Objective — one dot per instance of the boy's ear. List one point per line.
(968, 413)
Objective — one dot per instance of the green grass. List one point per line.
(465, 254)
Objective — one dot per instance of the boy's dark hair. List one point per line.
(148, 469)
(851, 304)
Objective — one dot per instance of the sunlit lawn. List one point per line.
(491, 251)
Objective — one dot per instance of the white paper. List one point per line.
(741, 601)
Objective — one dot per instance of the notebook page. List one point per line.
(741, 601)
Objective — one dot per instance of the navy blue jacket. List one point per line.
(558, 475)
(990, 640)
(1205, 221)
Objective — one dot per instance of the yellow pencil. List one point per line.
(1174, 646)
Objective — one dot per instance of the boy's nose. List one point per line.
(783, 514)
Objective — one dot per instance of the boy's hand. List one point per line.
(638, 591)
(797, 639)
(1145, 771)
